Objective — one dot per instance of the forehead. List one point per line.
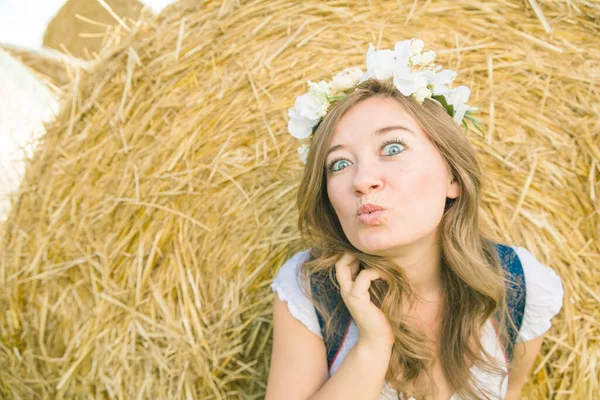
(369, 115)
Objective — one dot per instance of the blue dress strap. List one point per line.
(515, 293)
(321, 287)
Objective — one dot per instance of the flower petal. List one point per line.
(402, 50)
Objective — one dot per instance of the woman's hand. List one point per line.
(373, 326)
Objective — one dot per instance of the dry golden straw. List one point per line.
(81, 27)
(137, 258)
(52, 67)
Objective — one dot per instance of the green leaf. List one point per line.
(475, 123)
(336, 97)
(449, 108)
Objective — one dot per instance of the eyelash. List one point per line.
(389, 141)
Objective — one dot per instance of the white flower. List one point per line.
(347, 79)
(402, 50)
(319, 92)
(416, 46)
(422, 59)
(439, 80)
(422, 93)
(416, 59)
(303, 152)
(311, 105)
(457, 97)
(300, 127)
(308, 110)
(380, 63)
(428, 57)
(409, 83)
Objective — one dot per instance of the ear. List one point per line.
(453, 190)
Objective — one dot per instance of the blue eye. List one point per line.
(331, 164)
(395, 141)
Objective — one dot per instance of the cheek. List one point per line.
(334, 193)
(343, 204)
(429, 190)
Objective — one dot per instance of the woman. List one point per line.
(389, 202)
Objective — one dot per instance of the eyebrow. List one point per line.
(379, 131)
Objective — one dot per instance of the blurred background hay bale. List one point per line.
(137, 259)
(81, 26)
(54, 68)
(26, 102)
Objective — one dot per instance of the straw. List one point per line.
(137, 258)
(52, 67)
(80, 26)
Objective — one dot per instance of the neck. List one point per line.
(422, 264)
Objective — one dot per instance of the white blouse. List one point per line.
(543, 301)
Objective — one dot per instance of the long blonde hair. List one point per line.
(472, 273)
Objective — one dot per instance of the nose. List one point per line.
(367, 180)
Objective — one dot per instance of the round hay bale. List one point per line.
(137, 260)
(80, 27)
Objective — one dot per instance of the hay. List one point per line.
(137, 260)
(53, 68)
(80, 27)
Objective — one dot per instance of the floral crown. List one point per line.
(414, 74)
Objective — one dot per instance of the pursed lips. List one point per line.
(368, 208)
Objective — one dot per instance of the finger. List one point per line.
(354, 268)
(363, 281)
(343, 272)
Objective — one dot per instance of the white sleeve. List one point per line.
(543, 298)
(287, 288)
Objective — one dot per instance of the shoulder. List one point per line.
(291, 267)
(287, 285)
(543, 297)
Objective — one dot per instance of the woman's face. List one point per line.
(410, 181)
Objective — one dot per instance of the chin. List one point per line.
(380, 243)
(374, 246)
